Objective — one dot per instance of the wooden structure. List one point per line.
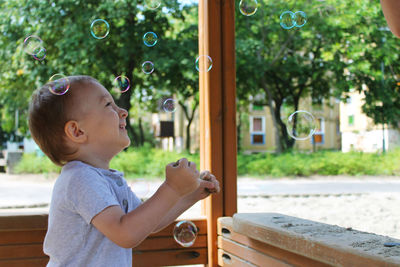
(218, 111)
(22, 236)
(277, 240)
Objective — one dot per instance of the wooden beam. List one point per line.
(218, 111)
(170, 257)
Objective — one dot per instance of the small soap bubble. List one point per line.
(121, 84)
(99, 28)
(287, 20)
(150, 39)
(148, 67)
(204, 63)
(40, 54)
(31, 44)
(185, 233)
(301, 125)
(152, 4)
(59, 84)
(300, 19)
(248, 7)
(169, 105)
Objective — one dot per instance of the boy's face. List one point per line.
(101, 119)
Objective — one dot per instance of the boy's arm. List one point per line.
(391, 10)
(129, 230)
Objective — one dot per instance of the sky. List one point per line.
(188, 1)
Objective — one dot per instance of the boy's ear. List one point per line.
(74, 132)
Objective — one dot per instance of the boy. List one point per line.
(95, 219)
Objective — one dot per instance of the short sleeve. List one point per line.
(89, 193)
(136, 202)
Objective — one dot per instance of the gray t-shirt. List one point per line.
(81, 192)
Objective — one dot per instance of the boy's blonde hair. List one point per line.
(48, 114)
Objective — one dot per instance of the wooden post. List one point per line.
(218, 111)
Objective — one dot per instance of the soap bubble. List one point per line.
(40, 54)
(148, 67)
(32, 44)
(152, 4)
(287, 20)
(248, 7)
(185, 233)
(150, 39)
(59, 84)
(300, 19)
(203, 63)
(169, 105)
(301, 125)
(121, 83)
(99, 28)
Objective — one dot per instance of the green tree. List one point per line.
(64, 26)
(282, 66)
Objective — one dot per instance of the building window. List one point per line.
(258, 139)
(257, 130)
(319, 135)
(258, 107)
(350, 120)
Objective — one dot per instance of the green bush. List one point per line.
(31, 163)
(150, 162)
(320, 163)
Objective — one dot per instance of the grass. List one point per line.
(150, 163)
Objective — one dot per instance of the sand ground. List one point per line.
(376, 212)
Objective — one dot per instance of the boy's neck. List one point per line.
(95, 161)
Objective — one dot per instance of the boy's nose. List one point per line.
(123, 113)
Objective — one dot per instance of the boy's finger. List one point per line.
(209, 187)
(175, 164)
(206, 175)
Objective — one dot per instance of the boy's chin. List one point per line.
(127, 143)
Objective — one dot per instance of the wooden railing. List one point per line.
(22, 236)
(271, 239)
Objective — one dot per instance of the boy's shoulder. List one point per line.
(78, 171)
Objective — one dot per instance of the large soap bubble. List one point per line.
(301, 125)
(185, 233)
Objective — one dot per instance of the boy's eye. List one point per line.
(108, 104)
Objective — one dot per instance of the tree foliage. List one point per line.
(334, 52)
(64, 26)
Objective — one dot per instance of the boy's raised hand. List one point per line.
(212, 184)
(208, 185)
(182, 176)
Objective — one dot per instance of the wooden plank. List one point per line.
(211, 114)
(249, 254)
(225, 229)
(201, 224)
(218, 109)
(330, 244)
(229, 107)
(170, 257)
(230, 260)
(165, 243)
(23, 221)
(20, 237)
(21, 251)
(33, 262)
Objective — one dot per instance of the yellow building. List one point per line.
(258, 134)
(359, 133)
